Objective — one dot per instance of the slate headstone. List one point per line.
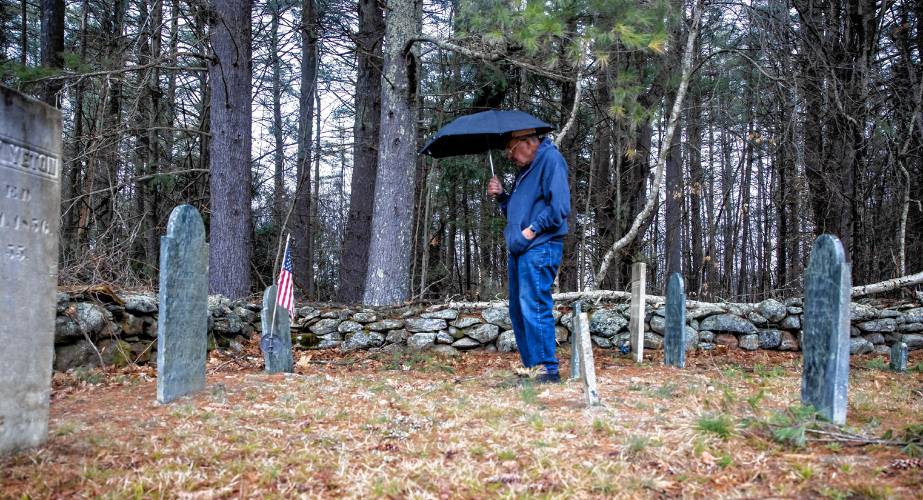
(30, 195)
(636, 323)
(674, 336)
(275, 340)
(182, 326)
(825, 333)
(899, 357)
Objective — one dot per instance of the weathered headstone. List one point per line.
(825, 333)
(275, 340)
(587, 365)
(30, 197)
(674, 333)
(636, 323)
(182, 325)
(899, 357)
(575, 370)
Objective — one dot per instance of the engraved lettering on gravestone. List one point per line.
(27, 158)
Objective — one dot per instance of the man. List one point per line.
(536, 211)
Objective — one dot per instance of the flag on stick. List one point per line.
(286, 296)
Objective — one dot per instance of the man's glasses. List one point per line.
(512, 146)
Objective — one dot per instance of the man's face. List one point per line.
(521, 150)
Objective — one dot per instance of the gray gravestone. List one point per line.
(275, 341)
(182, 325)
(575, 372)
(30, 203)
(674, 334)
(636, 323)
(585, 353)
(825, 333)
(899, 357)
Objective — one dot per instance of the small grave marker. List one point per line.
(825, 330)
(587, 365)
(275, 339)
(575, 371)
(182, 325)
(899, 357)
(636, 323)
(30, 193)
(674, 336)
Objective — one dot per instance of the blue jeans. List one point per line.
(530, 278)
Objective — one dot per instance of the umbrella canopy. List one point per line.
(480, 132)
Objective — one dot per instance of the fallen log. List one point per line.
(888, 285)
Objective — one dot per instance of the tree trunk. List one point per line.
(52, 46)
(278, 177)
(302, 240)
(24, 33)
(354, 262)
(387, 281)
(696, 188)
(230, 240)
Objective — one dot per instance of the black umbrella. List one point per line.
(481, 132)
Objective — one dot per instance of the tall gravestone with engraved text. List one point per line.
(182, 326)
(30, 197)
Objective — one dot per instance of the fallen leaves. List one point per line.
(363, 425)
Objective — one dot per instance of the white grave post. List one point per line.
(638, 297)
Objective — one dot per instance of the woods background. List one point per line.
(802, 117)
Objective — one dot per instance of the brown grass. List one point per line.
(422, 426)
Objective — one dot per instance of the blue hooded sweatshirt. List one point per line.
(540, 198)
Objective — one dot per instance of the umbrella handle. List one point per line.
(491, 157)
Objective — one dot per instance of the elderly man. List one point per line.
(536, 212)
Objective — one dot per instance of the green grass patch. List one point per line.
(875, 364)
(720, 425)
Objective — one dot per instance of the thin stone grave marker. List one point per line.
(575, 371)
(899, 357)
(182, 324)
(587, 365)
(30, 196)
(275, 340)
(674, 335)
(636, 323)
(825, 330)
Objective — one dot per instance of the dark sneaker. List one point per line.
(548, 378)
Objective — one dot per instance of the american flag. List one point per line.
(286, 295)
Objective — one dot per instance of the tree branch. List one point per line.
(488, 56)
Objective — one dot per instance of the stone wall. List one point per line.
(123, 328)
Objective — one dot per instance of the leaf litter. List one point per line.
(425, 426)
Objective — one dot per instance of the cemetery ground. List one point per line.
(425, 426)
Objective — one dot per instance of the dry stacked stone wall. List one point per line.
(122, 329)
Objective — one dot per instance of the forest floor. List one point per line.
(424, 426)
